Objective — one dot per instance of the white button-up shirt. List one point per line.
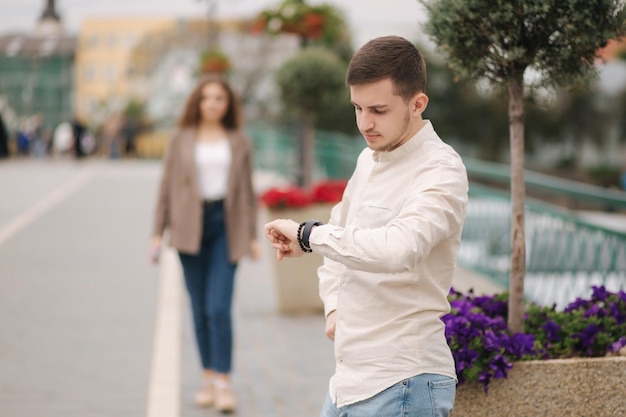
(390, 251)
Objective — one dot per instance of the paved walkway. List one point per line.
(88, 328)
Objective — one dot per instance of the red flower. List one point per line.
(285, 197)
(329, 191)
(259, 25)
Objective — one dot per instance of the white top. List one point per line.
(390, 251)
(213, 161)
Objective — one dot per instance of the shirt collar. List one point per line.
(407, 147)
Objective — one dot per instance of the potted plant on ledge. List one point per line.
(296, 279)
(569, 362)
(214, 61)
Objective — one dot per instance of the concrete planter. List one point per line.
(296, 279)
(582, 387)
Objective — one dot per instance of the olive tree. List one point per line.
(309, 83)
(508, 42)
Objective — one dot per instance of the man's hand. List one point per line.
(282, 233)
(331, 323)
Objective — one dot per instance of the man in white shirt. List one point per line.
(390, 247)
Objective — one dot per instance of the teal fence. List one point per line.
(565, 254)
(276, 149)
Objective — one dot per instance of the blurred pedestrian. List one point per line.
(110, 136)
(23, 140)
(62, 139)
(4, 139)
(129, 131)
(78, 132)
(35, 132)
(390, 247)
(207, 201)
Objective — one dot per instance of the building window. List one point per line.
(131, 39)
(92, 41)
(110, 73)
(90, 73)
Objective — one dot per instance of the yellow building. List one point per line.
(104, 74)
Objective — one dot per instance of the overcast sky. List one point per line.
(367, 18)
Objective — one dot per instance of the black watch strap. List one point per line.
(306, 232)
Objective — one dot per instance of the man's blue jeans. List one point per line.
(209, 277)
(425, 395)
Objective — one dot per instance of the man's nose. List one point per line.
(365, 123)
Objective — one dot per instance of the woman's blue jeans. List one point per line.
(209, 277)
(425, 395)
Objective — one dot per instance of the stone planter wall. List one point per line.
(583, 387)
(296, 279)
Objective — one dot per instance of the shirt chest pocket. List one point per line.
(372, 216)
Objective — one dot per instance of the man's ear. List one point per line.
(419, 102)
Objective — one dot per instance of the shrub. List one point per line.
(483, 348)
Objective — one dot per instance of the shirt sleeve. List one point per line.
(433, 211)
(330, 272)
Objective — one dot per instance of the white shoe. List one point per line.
(206, 395)
(224, 397)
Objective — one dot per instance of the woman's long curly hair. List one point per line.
(191, 115)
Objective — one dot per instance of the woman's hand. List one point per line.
(155, 249)
(255, 250)
(282, 233)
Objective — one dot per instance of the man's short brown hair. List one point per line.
(389, 57)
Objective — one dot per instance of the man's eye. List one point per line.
(378, 111)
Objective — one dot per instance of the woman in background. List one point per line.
(206, 200)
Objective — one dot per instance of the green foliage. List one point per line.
(605, 175)
(500, 39)
(214, 60)
(462, 113)
(317, 25)
(584, 327)
(135, 110)
(311, 81)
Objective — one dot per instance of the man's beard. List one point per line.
(400, 139)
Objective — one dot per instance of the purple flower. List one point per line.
(479, 322)
(464, 359)
(491, 306)
(500, 366)
(617, 346)
(552, 331)
(461, 306)
(599, 293)
(576, 304)
(586, 338)
(484, 378)
(521, 344)
(492, 342)
(594, 310)
(459, 327)
(617, 313)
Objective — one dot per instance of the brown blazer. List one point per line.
(179, 205)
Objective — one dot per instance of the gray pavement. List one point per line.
(78, 303)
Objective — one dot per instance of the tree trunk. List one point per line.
(306, 143)
(518, 193)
